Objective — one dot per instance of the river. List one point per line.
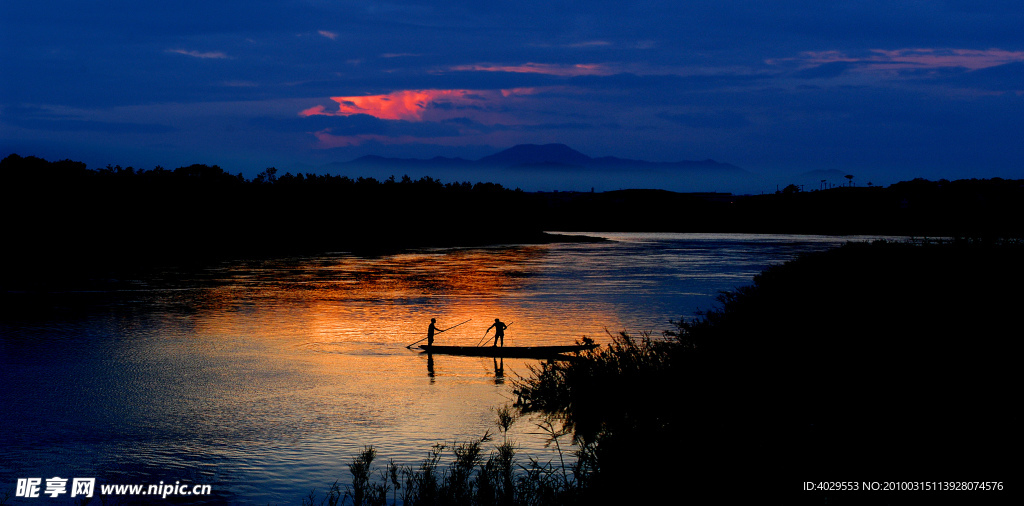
(264, 378)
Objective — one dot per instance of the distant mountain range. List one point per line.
(542, 157)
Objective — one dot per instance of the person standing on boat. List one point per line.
(499, 332)
(430, 331)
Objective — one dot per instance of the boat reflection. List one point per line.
(499, 371)
(497, 362)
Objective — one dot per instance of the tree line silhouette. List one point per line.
(976, 209)
(63, 216)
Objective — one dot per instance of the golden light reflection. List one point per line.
(286, 367)
(355, 306)
(305, 334)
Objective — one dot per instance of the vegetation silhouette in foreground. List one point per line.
(876, 360)
(473, 476)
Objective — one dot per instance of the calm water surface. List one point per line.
(263, 379)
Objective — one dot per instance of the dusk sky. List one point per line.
(885, 90)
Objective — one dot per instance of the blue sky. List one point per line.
(885, 90)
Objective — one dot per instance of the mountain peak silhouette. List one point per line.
(533, 154)
(549, 158)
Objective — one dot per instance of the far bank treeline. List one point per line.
(115, 214)
(972, 209)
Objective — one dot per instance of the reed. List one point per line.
(474, 475)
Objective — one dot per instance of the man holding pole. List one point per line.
(499, 332)
(432, 329)
(430, 332)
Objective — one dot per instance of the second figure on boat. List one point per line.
(499, 332)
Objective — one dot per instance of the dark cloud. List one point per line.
(1007, 77)
(342, 125)
(35, 118)
(363, 124)
(825, 71)
(722, 119)
(467, 124)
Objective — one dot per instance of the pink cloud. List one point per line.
(591, 43)
(199, 54)
(507, 108)
(413, 105)
(971, 59)
(912, 58)
(407, 105)
(580, 69)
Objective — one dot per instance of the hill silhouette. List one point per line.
(550, 156)
(532, 154)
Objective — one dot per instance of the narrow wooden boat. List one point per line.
(507, 351)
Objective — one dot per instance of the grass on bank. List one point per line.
(472, 476)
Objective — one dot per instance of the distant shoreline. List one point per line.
(60, 270)
(69, 221)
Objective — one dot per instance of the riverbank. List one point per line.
(869, 362)
(985, 209)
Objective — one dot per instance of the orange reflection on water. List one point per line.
(329, 338)
(275, 373)
(356, 305)
(318, 346)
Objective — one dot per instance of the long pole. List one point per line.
(439, 331)
(453, 326)
(420, 341)
(482, 338)
(488, 330)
